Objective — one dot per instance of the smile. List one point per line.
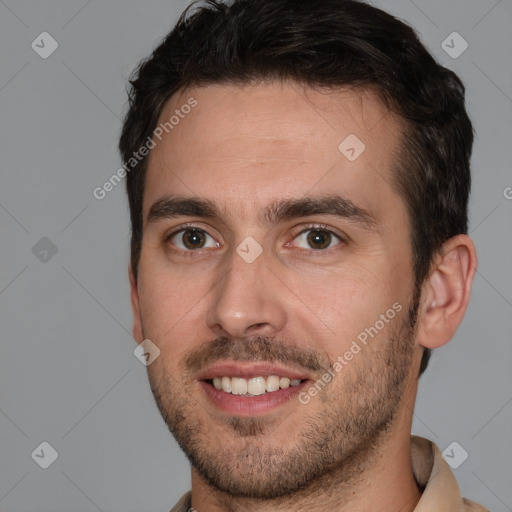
(247, 389)
(254, 386)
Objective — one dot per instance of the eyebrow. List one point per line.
(283, 209)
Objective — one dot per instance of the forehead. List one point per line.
(245, 144)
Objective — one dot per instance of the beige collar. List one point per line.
(441, 492)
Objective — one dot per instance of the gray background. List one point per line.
(68, 375)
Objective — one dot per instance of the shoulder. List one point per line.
(471, 506)
(183, 504)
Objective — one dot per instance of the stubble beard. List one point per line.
(337, 440)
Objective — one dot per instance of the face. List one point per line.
(276, 279)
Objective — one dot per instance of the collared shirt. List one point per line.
(441, 492)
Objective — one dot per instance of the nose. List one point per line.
(248, 300)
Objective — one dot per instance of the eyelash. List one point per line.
(304, 229)
(319, 227)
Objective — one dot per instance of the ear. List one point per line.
(445, 293)
(134, 297)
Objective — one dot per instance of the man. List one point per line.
(298, 179)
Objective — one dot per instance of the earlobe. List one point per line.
(134, 297)
(446, 292)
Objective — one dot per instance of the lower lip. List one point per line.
(246, 406)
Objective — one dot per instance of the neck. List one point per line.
(384, 483)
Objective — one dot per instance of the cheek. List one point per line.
(331, 305)
(336, 308)
(172, 304)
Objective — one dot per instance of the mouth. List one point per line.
(250, 389)
(255, 386)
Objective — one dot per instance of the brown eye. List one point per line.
(319, 239)
(192, 238)
(316, 239)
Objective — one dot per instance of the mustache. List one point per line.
(256, 348)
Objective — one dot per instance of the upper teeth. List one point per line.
(253, 386)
